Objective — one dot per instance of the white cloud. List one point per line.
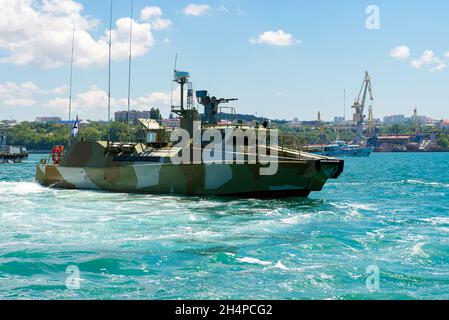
(40, 32)
(18, 102)
(400, 52)
(196, 10)
(154, 99)
(154, 16)
(9, 90)
(60, 90)
(275, 38)
(142, 39)
(92, 99)
(58, 7)
(149, 13)
(29, 87)
(58, 103)
(223, 8)
(439, 67)
(25, 94)
(240, 11)
(92, 103)
(12, 89)
(429, 59)
(161, 24)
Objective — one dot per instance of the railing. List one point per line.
(49, 159)
(289, 142)
(233, 112)
(10, 150)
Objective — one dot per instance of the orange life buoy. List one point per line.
(56, 154)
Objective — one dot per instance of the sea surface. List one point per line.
(381, 231)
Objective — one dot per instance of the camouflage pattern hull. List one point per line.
(96, 171)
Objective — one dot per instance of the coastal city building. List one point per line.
(395, 119)
(402, 119)
(444, 124)
(339, 120)
(7, 123)
(135, 115)
(422, 120)
(313, 123)
(48, 119)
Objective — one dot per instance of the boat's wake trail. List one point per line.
(427, 183)
(20, 188)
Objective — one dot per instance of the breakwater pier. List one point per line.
(11, 154)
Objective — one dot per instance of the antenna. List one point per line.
(129, 67)
(71, 73)
(176, 61)
(173, 83)
(109, 78)
(344, 104)
(71, 81)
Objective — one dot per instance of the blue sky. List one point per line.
(282, 59)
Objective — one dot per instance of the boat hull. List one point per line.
(293, 178)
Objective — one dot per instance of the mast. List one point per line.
(129, 66)
(109, 75)
(173, 82)
(71, 82)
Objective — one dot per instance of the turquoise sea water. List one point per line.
(390, 211)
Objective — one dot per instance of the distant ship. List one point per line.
(342, 149)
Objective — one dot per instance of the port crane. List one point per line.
(417, 123)
(371, 124)
(359, 106)
(322, 131)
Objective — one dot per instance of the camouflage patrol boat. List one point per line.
(154, 166)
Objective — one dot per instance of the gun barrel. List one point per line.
(228, 100)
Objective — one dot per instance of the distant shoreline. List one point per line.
(410, 151)
(406, 151)
(39, 151)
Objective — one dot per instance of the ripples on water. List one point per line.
(390, 210)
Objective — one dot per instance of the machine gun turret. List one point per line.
(211, 105)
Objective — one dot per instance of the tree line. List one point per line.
(38, 136)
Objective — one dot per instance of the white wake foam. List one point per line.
(426, 183)
(254, 261)
(20, 188)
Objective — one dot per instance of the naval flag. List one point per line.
(75, 128)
